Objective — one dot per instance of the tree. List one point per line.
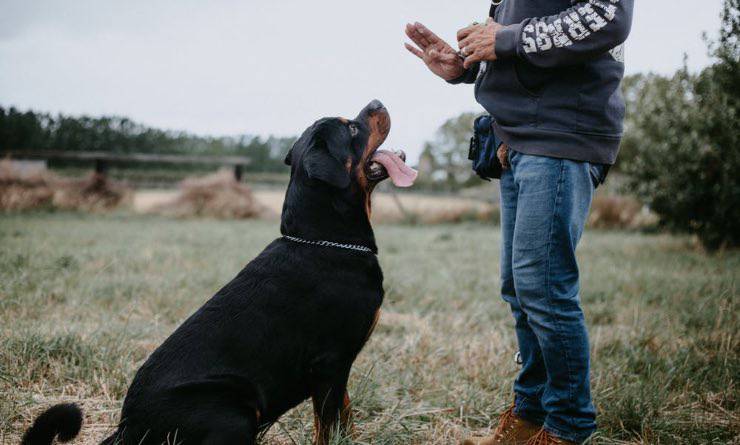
(444, 161)
(683, 147)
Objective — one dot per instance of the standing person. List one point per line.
(548, 71)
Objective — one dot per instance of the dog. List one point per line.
(289, 326)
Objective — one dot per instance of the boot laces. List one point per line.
(544, 438)
(507, 422)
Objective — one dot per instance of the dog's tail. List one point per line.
(62, 421)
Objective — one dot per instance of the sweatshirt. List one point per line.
(554, 88)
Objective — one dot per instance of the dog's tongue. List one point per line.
(401, 174)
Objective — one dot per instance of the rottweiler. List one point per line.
(291, 323)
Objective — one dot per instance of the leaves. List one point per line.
(681, 147)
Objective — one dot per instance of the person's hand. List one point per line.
(478, 42)
(438, 55)
(503, 156)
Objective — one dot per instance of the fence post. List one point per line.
(101, 167)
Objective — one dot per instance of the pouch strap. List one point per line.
(494, 5)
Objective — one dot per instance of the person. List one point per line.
(548, 72)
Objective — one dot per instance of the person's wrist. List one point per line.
(458, 78)
(495, 29)
(506, 40)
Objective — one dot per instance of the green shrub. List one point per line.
(682, 143)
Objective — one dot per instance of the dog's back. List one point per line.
(256, 349)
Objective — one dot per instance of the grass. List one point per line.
(84, 299)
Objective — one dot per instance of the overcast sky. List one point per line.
(225, 67)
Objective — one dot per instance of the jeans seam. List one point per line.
(560, 434)
(520, 400)
(553, 314)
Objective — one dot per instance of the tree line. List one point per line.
(29, 130)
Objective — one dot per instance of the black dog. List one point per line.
(289, 326)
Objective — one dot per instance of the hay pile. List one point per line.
(42, 189)
(619, 212)
(218, 195)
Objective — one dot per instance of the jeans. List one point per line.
(544, 206)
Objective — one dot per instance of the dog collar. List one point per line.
(355, 247)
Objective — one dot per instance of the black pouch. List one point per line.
(483, 147)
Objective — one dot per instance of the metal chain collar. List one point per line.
(330, 244)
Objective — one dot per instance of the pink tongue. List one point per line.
(401, 174)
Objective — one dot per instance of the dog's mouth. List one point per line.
(383, 164)
(386, 164)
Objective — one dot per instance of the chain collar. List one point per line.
(355, 247)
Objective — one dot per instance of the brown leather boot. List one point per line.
(545, 438)
(511, 430)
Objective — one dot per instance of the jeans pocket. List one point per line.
(598, 174)
(510, 156)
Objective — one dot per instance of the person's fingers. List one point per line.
(448, 58)
(466, 42)
(426, 32)
(419, 34)
(416, 37)
(489, 21)
(463, 33)
(472, 59)
(415, 51)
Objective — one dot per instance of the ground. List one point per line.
(84, 299)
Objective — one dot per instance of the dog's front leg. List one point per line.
(331, 406)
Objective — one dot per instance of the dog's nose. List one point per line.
(375, 110)
(375, 105)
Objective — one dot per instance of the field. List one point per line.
(84, 299)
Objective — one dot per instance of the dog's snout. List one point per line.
(373, 108)
(375, 105)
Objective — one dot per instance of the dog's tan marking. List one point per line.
(345, 416)
(373, 325)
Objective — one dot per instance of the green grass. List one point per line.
(84, 299)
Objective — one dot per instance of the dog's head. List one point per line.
(335, 166)
(344, 154)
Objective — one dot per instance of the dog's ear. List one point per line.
(289, 157)
(324, 159)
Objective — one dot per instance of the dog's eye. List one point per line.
(353, 130)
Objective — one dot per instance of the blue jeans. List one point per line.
(544, 206)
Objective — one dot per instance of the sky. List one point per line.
(229, 67)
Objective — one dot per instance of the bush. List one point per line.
(682, 134)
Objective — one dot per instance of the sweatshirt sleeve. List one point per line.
(587, 29)
(468, 76)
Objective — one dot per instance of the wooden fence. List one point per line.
(103, 160)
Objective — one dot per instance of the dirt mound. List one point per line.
(43, 189)
(218, 195)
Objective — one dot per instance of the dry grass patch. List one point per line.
(218, 195)
(19, 191)
(619, 212)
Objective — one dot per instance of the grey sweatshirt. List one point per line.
(554, 89)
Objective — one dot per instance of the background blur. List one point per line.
(141, 165)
